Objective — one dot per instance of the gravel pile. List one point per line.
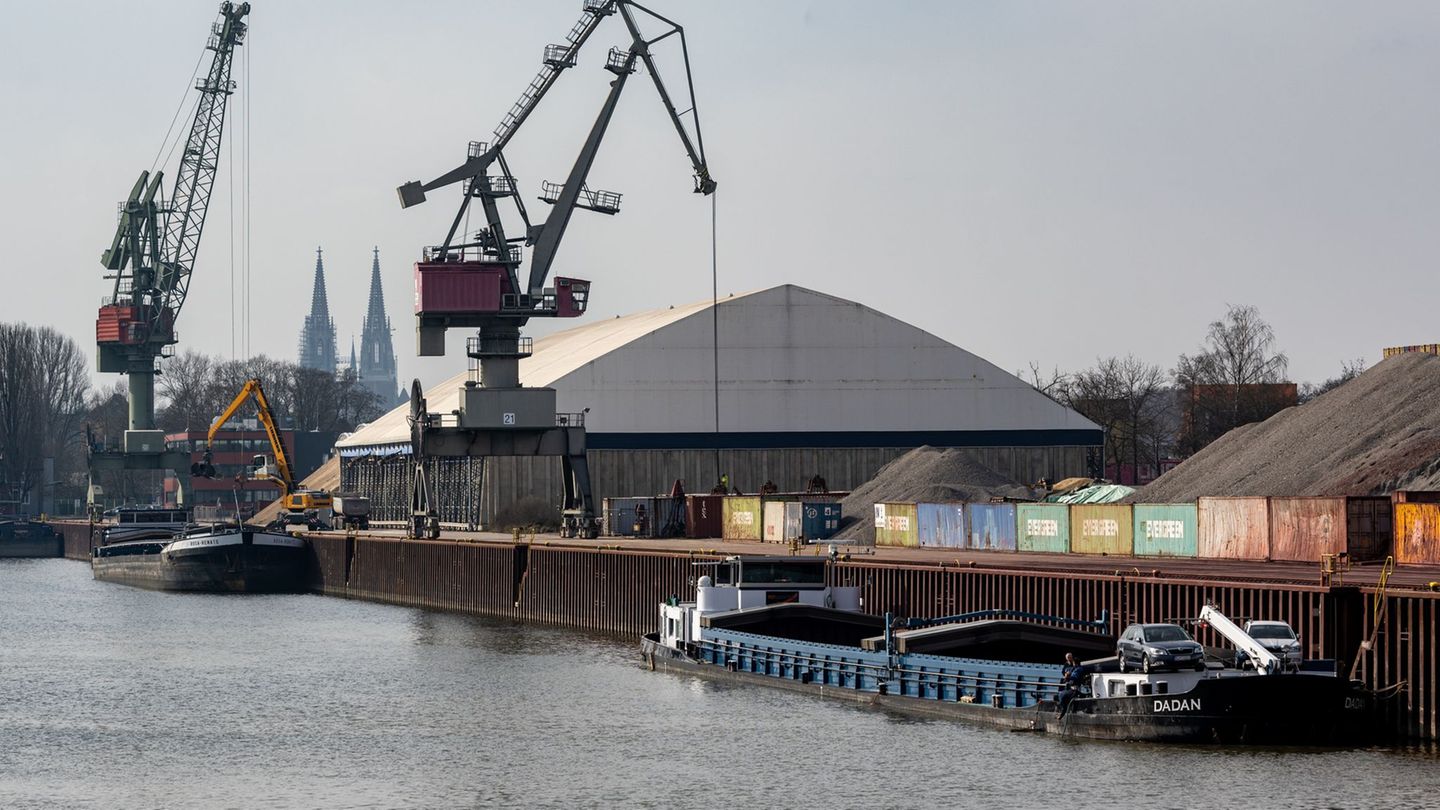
(1375, 434)
(923, 475)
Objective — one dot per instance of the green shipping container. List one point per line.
(741, 517)
(896, 524)
(1102, 529)
(1043, 527)
(1165, 530)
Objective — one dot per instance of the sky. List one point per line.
(1036, 182)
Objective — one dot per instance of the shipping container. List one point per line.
(1102, 528)
(896, 525)
(1233, 528)
(1166, 530)
(1043, 527)
(811, 521)
(991, 526)
(942, 525)
(742, 517)
(1417, 533)
(773, 530)
(668, 519)
(629, 517)
(1369, 527)
(1302, 529)
(702, 516)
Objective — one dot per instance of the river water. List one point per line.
(113, 697)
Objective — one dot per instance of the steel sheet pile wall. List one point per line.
(896, 524)
(1234, 528)
(1102, 529)
(1404, 656)
(991, 525)
(76, 537)
(940, 525)
(1302, 529)
(1165, 530)
(1417, 533)
(616, 592)
(1043, 527)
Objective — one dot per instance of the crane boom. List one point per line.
(1265, 661)
(253, 388)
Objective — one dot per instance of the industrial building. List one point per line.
(807, 384)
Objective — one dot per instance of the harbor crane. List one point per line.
(151, 258)
(473, 281)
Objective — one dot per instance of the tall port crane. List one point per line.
(474, 281)
(151, 258)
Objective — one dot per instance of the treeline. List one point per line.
(47, 404)
(1149, 414)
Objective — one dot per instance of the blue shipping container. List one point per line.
(942, 525)
(817, 521)
(992, 526)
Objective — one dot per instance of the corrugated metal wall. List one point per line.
(622, 473)
(1165, 530)
(1302, 529)
(1043, 527)
(896, 524)
(1102, 528)
(1234, 528)
(990, 526)
(1417, 533)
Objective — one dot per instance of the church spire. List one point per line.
(317, 337)
(377, 349)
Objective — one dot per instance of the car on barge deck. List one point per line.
(779, 621)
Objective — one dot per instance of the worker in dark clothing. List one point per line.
(1072, 675)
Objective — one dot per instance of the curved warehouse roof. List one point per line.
(797, 368)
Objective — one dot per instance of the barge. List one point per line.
(171, 554)
(777, 621)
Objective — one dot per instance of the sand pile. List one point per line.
(923, 475)
(1375, 434)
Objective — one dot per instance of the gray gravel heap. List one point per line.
(923, 475)
(1375, 434)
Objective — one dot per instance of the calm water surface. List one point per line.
(112, 697)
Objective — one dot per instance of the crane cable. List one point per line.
(715, 327)
(176, 118)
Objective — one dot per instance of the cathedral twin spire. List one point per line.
(375, 365)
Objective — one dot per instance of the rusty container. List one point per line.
(1369, 527)
(1043, 527)
(702, 516)
(1302, 529)
(1165, 530)
(942, 525)
(1102, 528)
(897, 524)
(1417, 533)
(1234, 528)
(742, 517)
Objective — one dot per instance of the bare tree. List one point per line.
(43, 382)
(1349, 370)
(185, 387)
(1236, 377)
(1122, 396)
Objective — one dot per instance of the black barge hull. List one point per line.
(1278, 710)
(236, 562)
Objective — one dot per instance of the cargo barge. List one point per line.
(20, 538)
(173, 555)
(776, 621)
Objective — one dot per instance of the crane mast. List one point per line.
(153, 254)
(474, 280)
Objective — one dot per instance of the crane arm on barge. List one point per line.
(1265, 661)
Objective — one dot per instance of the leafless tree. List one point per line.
(43, 382)
(1349, 370)
(1122, 395)
(1230, 382)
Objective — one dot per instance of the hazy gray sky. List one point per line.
(1031, 181)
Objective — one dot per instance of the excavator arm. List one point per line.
(252, 388)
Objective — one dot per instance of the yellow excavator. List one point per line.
(299, 506)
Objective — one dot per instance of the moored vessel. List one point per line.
(173, 555)
(777, 621)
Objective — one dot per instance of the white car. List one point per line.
(1278, 638)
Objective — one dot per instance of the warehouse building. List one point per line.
(807, 384)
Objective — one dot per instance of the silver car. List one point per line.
(1278, 638)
